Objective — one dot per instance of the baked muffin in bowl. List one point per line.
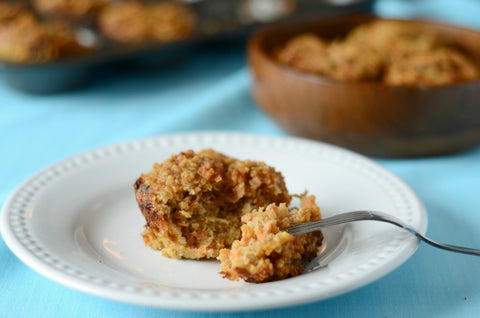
(383, 87)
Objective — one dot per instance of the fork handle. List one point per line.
(448, 247)
(377, 216)
(374, 216)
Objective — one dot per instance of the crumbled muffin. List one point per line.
(136, 22)
(193, 202)
(265, 252)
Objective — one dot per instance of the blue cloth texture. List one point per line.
(210, 90)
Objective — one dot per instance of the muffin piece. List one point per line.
(136, 22)
(193, 202)
(265, 252)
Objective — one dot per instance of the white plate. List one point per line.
(77, 223)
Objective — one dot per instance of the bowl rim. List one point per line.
(255, 40)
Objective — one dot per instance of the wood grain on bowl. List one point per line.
(370, 117)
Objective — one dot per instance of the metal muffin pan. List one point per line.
(217, 21)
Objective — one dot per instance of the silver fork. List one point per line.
(373, 216)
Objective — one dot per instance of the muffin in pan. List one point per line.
(68, 10)
(137, 22)
(25, 39)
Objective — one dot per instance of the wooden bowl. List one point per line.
(369, 117)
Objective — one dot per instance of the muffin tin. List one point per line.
(217, 21)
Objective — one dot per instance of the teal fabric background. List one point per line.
(211, 91)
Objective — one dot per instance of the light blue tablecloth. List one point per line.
(211, 91)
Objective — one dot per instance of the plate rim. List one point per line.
(58, 276)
